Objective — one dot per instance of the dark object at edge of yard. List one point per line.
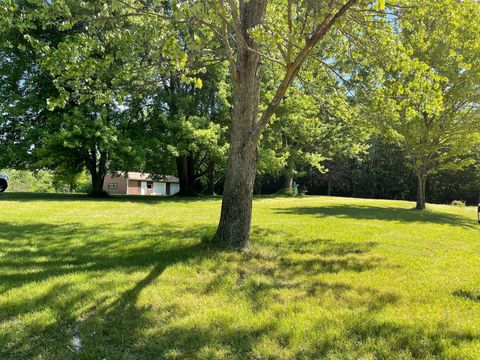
(3, 182)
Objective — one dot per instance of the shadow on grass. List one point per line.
(59, 197)
(365, 212)
(271, 282)
(45, 257)
(467, 295)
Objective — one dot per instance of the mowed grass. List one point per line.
(335, 278)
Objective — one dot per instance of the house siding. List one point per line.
(125, 185)
(121, 182)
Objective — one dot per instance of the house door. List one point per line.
(167, 191)
(149, 187)
(134, 187)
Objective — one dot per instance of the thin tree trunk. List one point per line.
(329, 186)
(422, 180)
(288, 181)
(211, 178)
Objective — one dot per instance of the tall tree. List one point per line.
(91, 72)
(253, 32)
(188, 122)
(430, 101)
(289, 31)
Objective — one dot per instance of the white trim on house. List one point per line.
(143, 188)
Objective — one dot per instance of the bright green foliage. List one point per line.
(331, 278)
(66, 181)
(312, 127)
(24, 90)
(29, 181)
(104, 50)
(184, 121)
(78, 85)
(429, 101)
(82, 136)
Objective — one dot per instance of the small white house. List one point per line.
(136, 183)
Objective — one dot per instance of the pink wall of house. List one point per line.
(115, 184)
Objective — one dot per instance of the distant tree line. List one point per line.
(381, 172)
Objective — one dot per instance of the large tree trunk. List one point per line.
(422, 180)
(185, 170)
(234, 227)
(97, 184)
(98, 170)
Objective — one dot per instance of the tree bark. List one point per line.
(97, 184)
(211, 178)
(236, 215)
(98, 170)
(185, 171)
(234, 227)
(422, 180)
(288, 181)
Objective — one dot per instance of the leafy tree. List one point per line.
(24, 88)
(315, 126)
(126, 41)
(187, 123)
(66, 181)
(430, 101)
(90, 137)
(86, 118)
(29, 181)
(282, 32)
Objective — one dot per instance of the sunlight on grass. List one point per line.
(324, 278)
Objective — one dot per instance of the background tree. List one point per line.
(432, 98)
(90, 137)
(187, 123)
(92, 69)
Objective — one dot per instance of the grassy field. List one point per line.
(128, 278)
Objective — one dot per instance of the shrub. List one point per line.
(459, 203)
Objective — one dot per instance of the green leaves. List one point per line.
(381, 5)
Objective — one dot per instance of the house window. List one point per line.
(112, 186)
(149, 185)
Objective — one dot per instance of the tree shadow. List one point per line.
(467, 295)
(47, 259)
(122, 324)
(131, 318)
(366, 212)
(388, 340)
(60, 197)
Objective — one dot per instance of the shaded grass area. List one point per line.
(69, 197)
(369, 212)
(134, 280)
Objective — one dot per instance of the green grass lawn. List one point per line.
(325, 278)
